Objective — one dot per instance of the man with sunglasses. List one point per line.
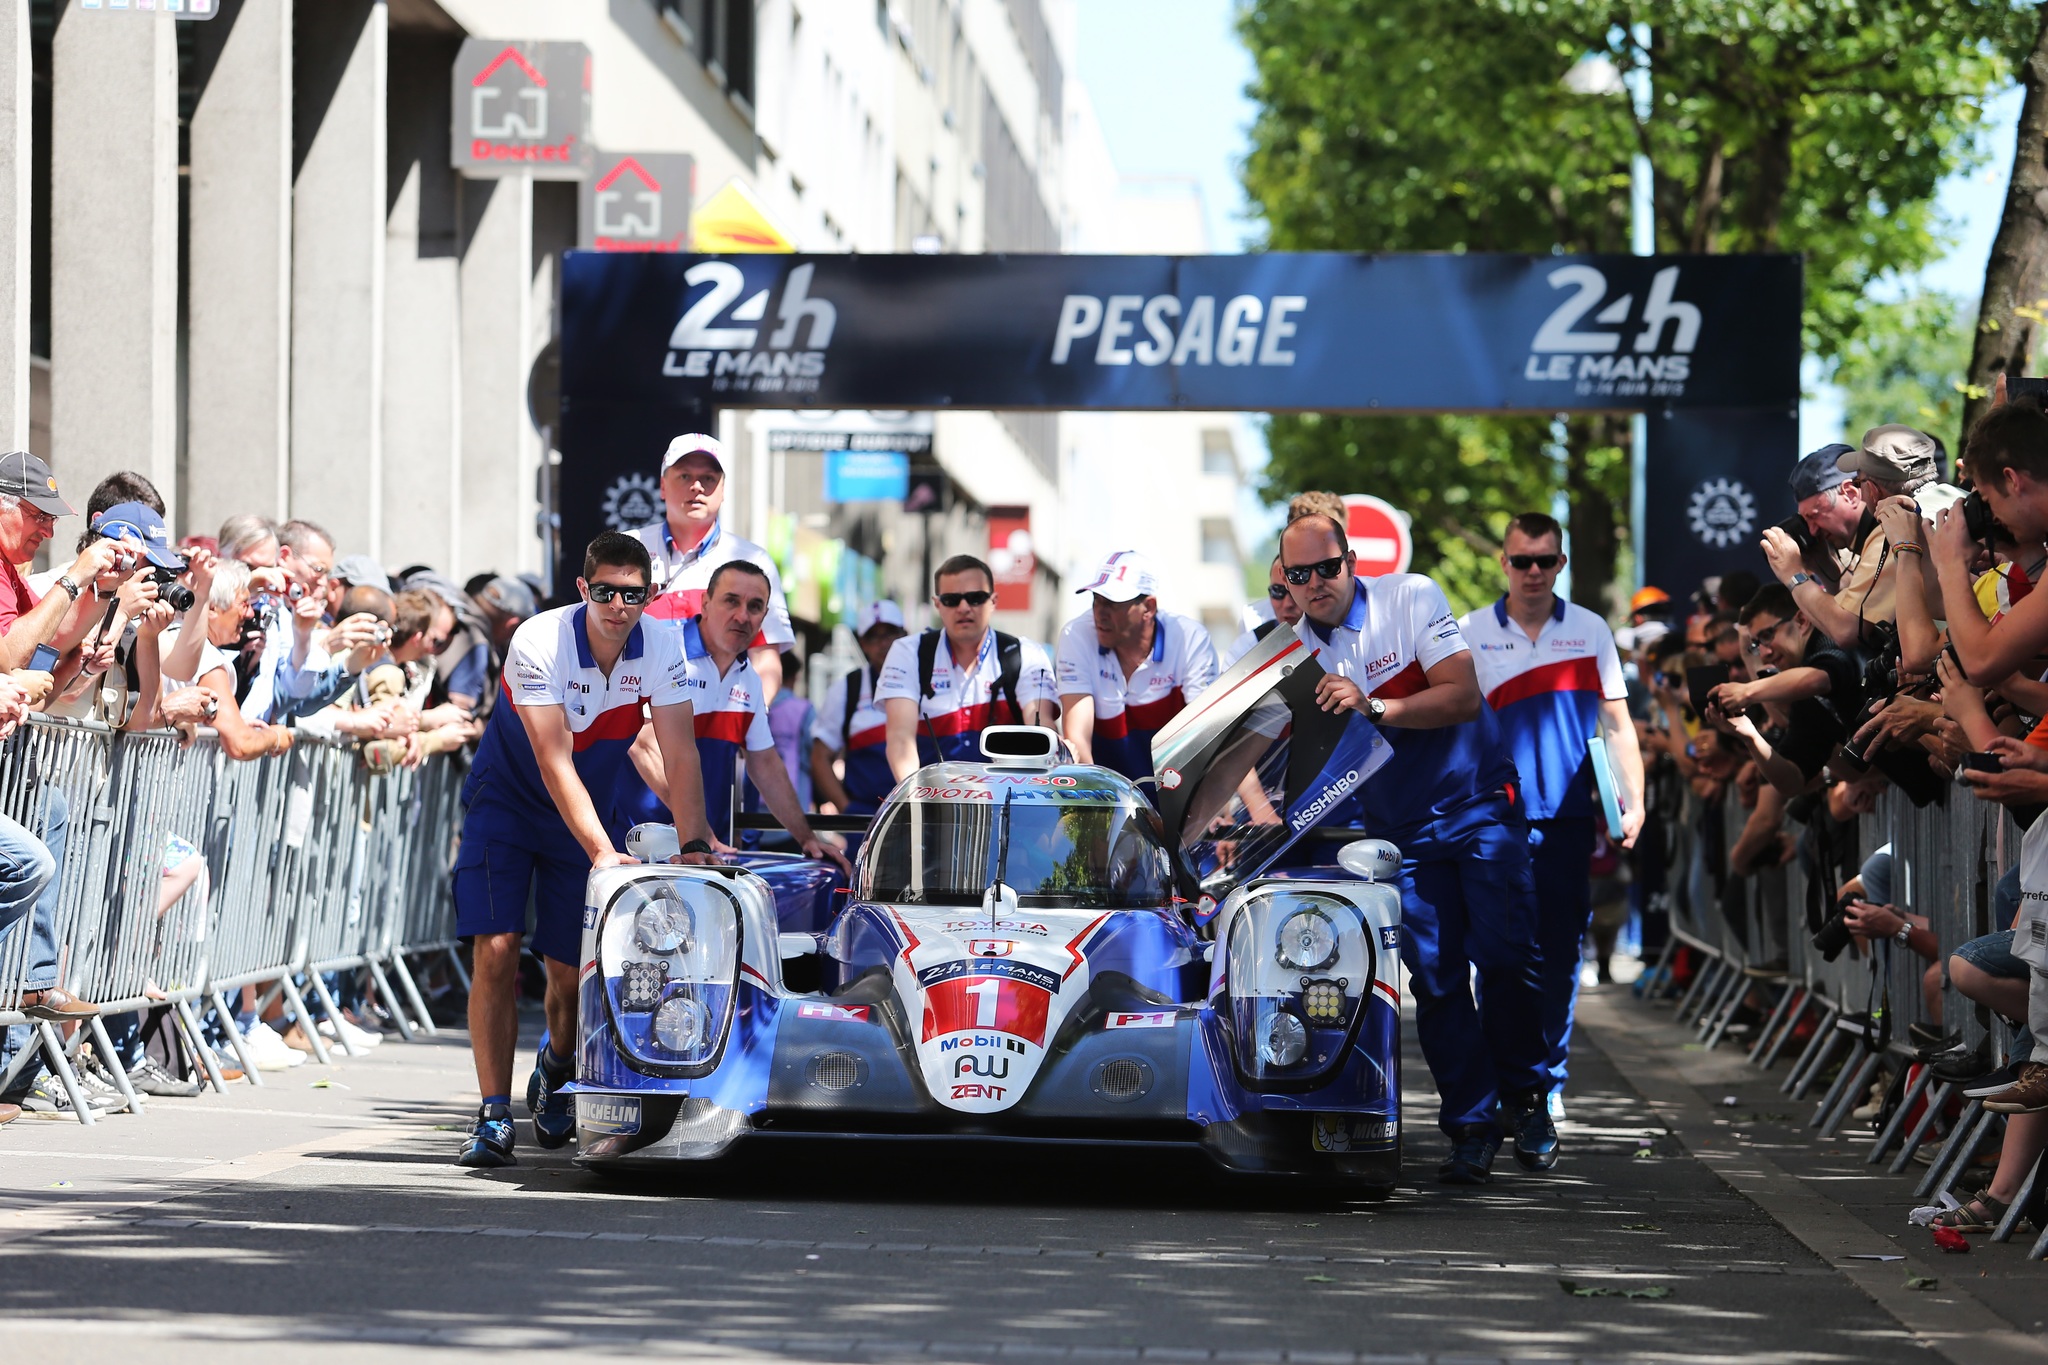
(1126, 668)
(1551, 672)
(576, 679)
(1285, 615)
(941, 689)
(1817, 687)
(692, 540)
(1447, 799)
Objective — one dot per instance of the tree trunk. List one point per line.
(1596, 538)
(2013, 276)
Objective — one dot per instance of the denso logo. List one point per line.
(728, 356)
(1249, 331)
(1587, 360)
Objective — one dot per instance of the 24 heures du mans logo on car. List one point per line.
(1629, 350)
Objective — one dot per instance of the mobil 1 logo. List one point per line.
(1604, 346)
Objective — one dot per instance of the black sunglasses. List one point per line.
(605, 592)
(972, 599)
(1298, 574)
(1524, 563)
(1277, 591)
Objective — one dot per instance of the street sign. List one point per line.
(826, 429)
(174, 9)
(521, 108)
(1012, 556)
(635, 201)
(1379, 535)
(733, 220)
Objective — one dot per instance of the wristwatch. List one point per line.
(1375, 709)
(1799, 578)
(1905, 934)
(696, 846)
(66, 582)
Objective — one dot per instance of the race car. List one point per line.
(1032, 949)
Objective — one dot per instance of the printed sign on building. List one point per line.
(635, 201)
(522, 108)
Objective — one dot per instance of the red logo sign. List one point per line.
(990, 947)
(1378, 533)
(986, 1002)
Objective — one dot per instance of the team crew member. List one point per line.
(1126, 668)
(730, 717)
(691, 540)
(853, 723)
(1447, 800)
(1284, 612)
(576, 678)
(941, 689)
(1550, 671)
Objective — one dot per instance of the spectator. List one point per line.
(1816, 688)
(29, 508)
(853, 725)
(302, 670)
(469, 666)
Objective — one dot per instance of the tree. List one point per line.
(1816, 126)
(1907, 364)
(2010, 310)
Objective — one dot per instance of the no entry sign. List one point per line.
(1378, 534)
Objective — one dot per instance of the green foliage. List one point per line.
(1907, 364)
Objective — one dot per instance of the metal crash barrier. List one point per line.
(1839, 1025)
(313, 865)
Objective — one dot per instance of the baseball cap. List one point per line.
(882, 613)
(1124, 576)
(1820, 471)
(1895, 454)
(23, 476)
(136, 521)
(361, 571)
(695, 443)
(510, 596)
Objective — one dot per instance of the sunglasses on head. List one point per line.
(1277, 591)
(972, 599)
(605, 592)
(1526, 562)
(1298, 574)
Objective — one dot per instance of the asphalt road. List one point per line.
(324, 1207)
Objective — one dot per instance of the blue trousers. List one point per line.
(1468, 900)
(30, 881)
(1561, 854)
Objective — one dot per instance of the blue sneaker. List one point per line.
(1528, 1118)
(490, 1138)
(1472, 1156)
(554, 1113)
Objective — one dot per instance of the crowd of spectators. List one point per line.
(259, 634)
(1902, 645)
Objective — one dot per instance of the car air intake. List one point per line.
(837, 1071)
(1121, 1078)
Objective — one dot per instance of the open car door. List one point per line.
(1254, 764)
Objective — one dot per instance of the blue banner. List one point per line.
(866, 475)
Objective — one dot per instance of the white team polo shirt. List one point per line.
(1547, 692)
(682, 576)
(1400, 626)
(959, 703)
(1182, 666)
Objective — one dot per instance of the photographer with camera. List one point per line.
(1815, 685)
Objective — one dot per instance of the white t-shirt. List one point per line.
(210, 658)
(960, 705)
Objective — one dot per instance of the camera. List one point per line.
(1978, 520)
(1795, 527)
(170, 590)
(1881, 671)
(383, 633)
(1833, 936)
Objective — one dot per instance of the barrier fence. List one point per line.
(313, 865)
(1846, 1022)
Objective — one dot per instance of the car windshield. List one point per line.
(1064, 853)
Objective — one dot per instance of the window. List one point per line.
(1219, 541)
(1219, 452)
(720, 33)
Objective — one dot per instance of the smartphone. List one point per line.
(2015, 385)
(1980, 763)
(43, 660)
(1700, 681)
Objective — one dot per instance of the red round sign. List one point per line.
(1379, 535)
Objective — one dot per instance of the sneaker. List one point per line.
(96, 1083)
(269, 1051)
(349, 1033)
(2029, 1095)
(554, 1113)
(1528, 1118)
(48, 1096)
(1962, 1064)
(149, 1076)
(1556, 1104)
(1990, 1083)
(490, 1138)
(1931, 1040)
(1472, 1157)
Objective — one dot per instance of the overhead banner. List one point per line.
(1275, 332)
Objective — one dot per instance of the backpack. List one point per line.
(1009, 667)
(853, 689)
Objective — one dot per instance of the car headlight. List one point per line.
(682, 1024)
(664, 924)
(1283, 1041)
(1307, 941)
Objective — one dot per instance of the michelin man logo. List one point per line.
(632, 500)
(1723, 512)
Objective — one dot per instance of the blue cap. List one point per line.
(1820, 471)
(137, 521)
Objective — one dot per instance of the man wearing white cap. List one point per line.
(853, 723)
(692, 540)
(1125, 668)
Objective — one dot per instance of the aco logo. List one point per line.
(1723, 513)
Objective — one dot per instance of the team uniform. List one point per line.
(963, 704)
(1448, 800)
(730, 714)
(513, 837)
(861, 735)
(1129, 711)
(681, 577)
(1547, 693)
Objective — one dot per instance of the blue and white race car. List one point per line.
(1033, 948)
